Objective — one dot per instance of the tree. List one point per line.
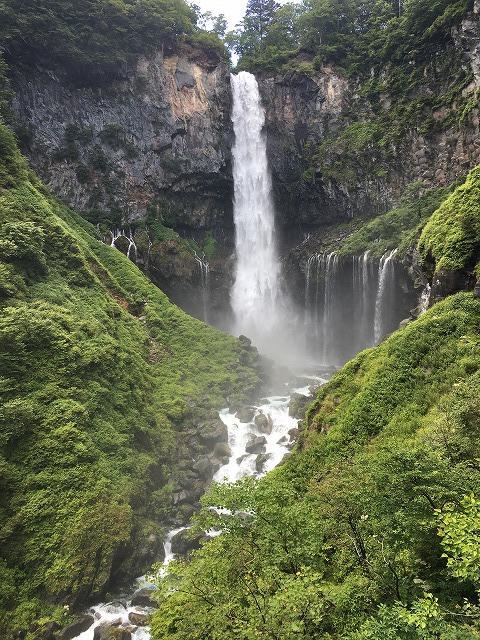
(259, 16)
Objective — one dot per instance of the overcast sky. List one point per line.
(234, 10)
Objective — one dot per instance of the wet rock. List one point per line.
(245, 414)
(184, 542)
(293, 433)
(256, 444)
(205, 468)
(242, 458)
(261, 460)
(144, 598)
(111, 631)
(264, 423)
(138, 619)
(212, 432)
(222, 450)
(283, 440)
(298, 404)
(76, 628)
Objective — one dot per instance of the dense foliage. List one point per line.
(355, 34)
(451, 237)
(94, 40)
(97, 371)
(369, 530)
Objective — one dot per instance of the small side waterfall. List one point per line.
(424, 301)
(386, 283)
(352, 302)
(258, 304)
(204, 269)
(116, 234)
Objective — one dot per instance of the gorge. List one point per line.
(239, 321)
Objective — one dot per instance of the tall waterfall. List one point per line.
(256, 296)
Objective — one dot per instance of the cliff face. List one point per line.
(157, 143)
(154, 150)
(328, 168)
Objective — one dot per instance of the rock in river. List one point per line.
(256, 444)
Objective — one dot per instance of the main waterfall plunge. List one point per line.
(260, 307)
(350, 304)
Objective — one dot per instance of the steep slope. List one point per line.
(100, 377)
(350, 522)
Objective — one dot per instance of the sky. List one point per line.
(234, 10)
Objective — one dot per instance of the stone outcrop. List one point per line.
(303, 110)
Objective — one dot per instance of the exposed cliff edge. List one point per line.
(346, 146)
(154, 144)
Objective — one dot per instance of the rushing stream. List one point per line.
(258, 446)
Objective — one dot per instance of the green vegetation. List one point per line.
(95, 40)
(354, 34)
(396, 229)
(365, 533)
(97, 372)
(451, 238)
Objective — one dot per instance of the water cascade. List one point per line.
(385, 294)
(424, 302)
(257, 301)
(352, 302)
(116, 234)
(204, 269)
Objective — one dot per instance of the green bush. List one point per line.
(451, 237)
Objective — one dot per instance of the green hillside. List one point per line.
(97, 371)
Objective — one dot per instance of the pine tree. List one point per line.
(259, 16)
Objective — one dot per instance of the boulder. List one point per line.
(256, 444)
(293, 433)
(184, 542)
(264, 423)
(298, 404)
(222, 450)
(48, 631)
(144, 598)
(245, 414)
(111, 631)
(138, 619)
(205, 467)
(212, 432)
(283, 440)
(76, 628)
(261, 460)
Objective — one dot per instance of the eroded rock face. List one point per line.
(158, 141)
(303, 111)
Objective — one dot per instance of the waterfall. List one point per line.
(204, 269)
(352, 302)
(386, 275)
(121, 233)
(330, 265)
(424, 301)
(256, 296)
